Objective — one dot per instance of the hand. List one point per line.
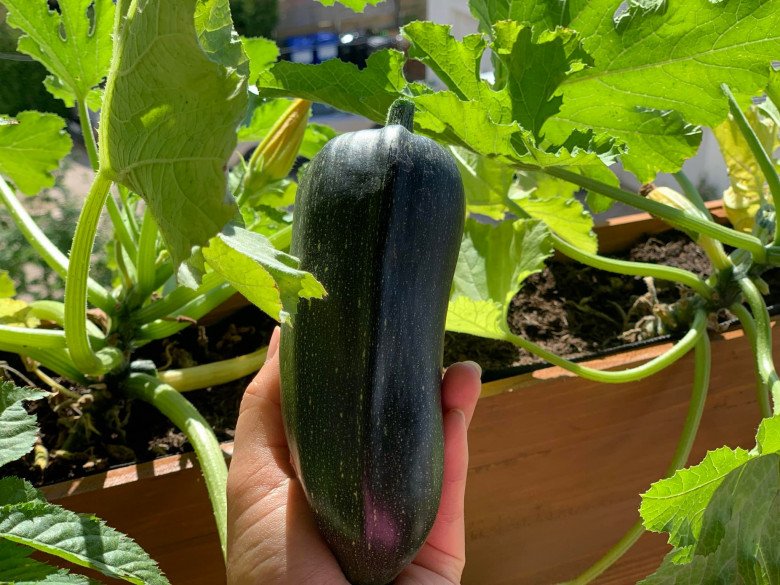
(272, 535)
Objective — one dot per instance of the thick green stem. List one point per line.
(673, 216)
(669, 273)
(174, 303)
(691, 192)
(186, 417)
(759, 152)
(678, 350)
(87, 133)
(121, 229)
(54, 311)
(749, 326)
(24, 338)
(48, 252)
(701, 381)
(215, 373)
(763, 342)
(56, 360)
(146, 259)
(88, 361)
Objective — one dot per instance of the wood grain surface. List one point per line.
(556, 467)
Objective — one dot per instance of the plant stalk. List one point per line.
(671, 215)
(186, 417)
(145, 261)
(701, 381)
(48, 252)
(88, 361)
(761, 155)
(678, 350)
(215, 373)
(749, 325)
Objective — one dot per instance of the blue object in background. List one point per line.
(326, 46)
(301, 48)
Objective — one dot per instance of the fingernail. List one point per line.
(474, 366)
(459, 413)
(273, 344)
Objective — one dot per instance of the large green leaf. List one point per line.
(676, 504)
(31, 147)
(367, 92)
(486, 182)
(267, 277)
(356, 5)
(543, 14)
(18, 429)
(739, 534)
(494, 261)
(553, 202)
(665, 56)
(262, 53)
(169, 119)
(75, 46)
(79, 538)
(17, 568)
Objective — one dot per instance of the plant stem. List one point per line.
(763, 340)
(87, 133)
(121, 230)
(673, 216)
(54, 311)
(89, 362)
(145, 261)
(669, 273)
(691, 192)
(186, 417)
(759, 152)
(48, 252)
(749, 325)
(678, 350)
(701, 381)
(24, 338)
(173, 303)
(183, 318)
(214, 373)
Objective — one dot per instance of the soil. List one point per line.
(572, 310)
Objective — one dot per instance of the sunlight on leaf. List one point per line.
(355, 5)
(32, 148)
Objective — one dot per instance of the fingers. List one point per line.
(460, 388)
(260, 452)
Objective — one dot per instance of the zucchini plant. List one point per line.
(169, 80)
(576, 87)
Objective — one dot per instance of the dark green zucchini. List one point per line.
(378, 220)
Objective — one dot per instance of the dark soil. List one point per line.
(569, 309)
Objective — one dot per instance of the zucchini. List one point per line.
(378, 220)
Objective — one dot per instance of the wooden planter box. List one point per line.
(556, 466)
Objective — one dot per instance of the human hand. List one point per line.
(272, 534)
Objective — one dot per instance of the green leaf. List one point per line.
(368, 92)
(355, 5)
(768, 437)
(552, 201)
(264, 115)
(15, 490)
(18, 429)
(267, 277)
(17, 568)
(168, 129)
(216, 36)
(494, 261)
(738, 541)
(676, 504)
(31, 148)
(79, 538)
(262, 53)
(7, 286)
(17, 313)
(315, 137)
(665, 56)
(542, 14)
(75, 46)
(486, 182)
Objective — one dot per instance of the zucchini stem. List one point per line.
(214, 373)
(749, 325)
(401, 112)
(701, 382)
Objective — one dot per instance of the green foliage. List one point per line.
(31, 147)
(356, 5)
(254, 267)
(722, 515)
(18, 429)
(75, 46)
(492, 265)
(160, 135)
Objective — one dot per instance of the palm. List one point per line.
(272, 536)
